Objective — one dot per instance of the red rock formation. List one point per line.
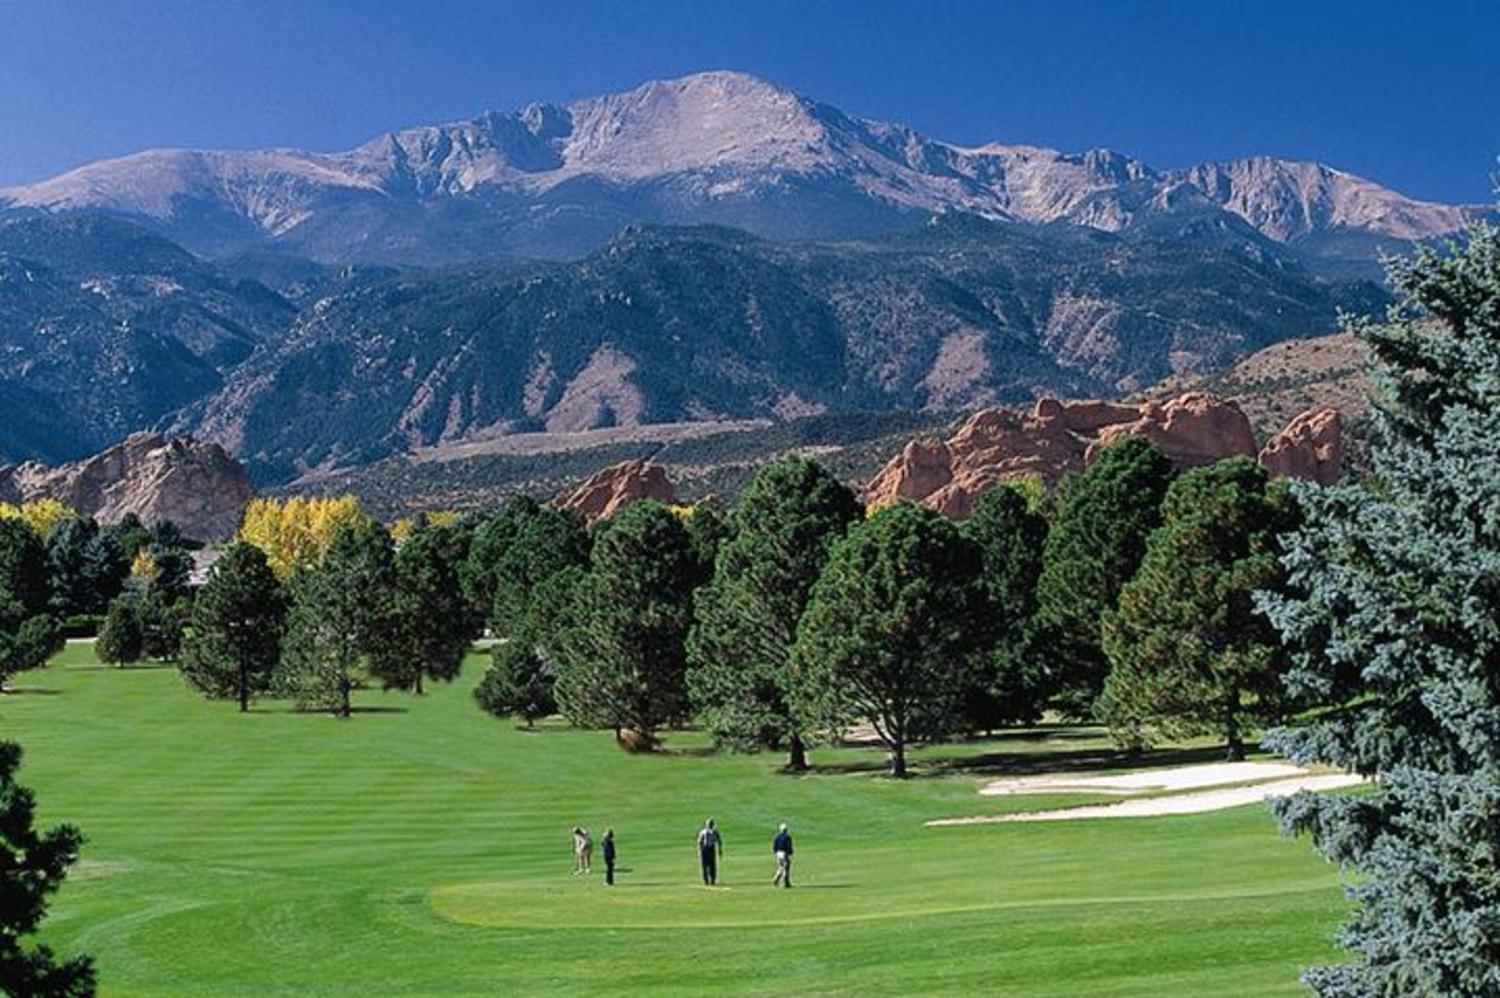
(1192, 430)
(1311, 448)
(198, 486)
(923, 467)
(608, 491)
(1058, 438)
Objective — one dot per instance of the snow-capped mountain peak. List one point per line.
(724, 147)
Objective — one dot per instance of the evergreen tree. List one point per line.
(32, 867)
(174, 563)
(238, 619)
(787, 519)
(1010, 535)
(891, 630)
(131, 534)
(623, 663)
(708, 528)
(1098, 537)
(1394, 619)
(87, 565)
(1189, 653)
(518, 683)
(343, 615)
(161, 630)
(34, 641)
(546, 542)
(23, 567)
(492, 536)
(514, 552)
(121, 639)
(432, 622)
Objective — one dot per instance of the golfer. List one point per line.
(710, 850)
(583, 851)
(782, 847)
(609, 856)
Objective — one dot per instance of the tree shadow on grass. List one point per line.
(377, 710)
(35, 691)
(1036, 763)
(129, 667)
(688, 752)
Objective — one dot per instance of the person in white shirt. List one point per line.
(583, 851)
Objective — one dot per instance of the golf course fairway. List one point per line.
(423, 848)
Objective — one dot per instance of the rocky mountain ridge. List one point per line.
(663, 326)
(717, 148)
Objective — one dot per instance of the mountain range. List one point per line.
(722, 148)
(703, 249)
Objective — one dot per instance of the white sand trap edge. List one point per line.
(1149, 781)
(1195, 803)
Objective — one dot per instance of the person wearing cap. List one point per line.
(782, 847)
(710, 850)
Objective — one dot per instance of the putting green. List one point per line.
(422, 848)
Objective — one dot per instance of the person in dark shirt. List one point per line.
(710, 850)
(782, 847)
(609, 856)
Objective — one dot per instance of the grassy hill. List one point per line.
(422, 848)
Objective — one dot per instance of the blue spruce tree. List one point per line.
(1395, 623)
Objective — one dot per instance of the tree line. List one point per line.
(1363, 616)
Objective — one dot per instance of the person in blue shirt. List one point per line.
(710, 850)
(782, 847)
(609, 856)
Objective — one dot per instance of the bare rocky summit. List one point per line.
(717, 147)
(1055, 439)
(611, 489)
(198, 486)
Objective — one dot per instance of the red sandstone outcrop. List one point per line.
(1193, 430)
(1058, 438)
(1311, 448)
(198, 486)
(608, 491)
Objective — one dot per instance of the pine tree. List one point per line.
(1010, 536)
(121, 639)
(432, 626)
(518, 683)
(623, 664)
(1098, 537)
(23, 567)
(787, 519)
(891, 630)
(239, 617)
(1395, 624)
(545, 542)
(87, 565)
(1189, 654)
(342, 616)
(32, 867)
(161, 630)
(34, 641)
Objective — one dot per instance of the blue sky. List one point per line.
(1407, 94)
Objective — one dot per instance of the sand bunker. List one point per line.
(1149, 782)
(1265, 780)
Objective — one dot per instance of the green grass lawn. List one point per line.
(423, 848)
